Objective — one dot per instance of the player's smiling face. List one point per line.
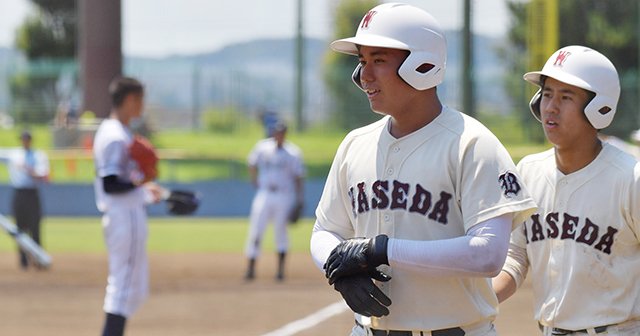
(386, 91)
(562, 114)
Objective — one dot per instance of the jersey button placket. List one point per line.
(561, 187)
(390, 172)
(393, 156)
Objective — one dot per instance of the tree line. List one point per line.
(609, 26)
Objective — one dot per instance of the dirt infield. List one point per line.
(191, 294)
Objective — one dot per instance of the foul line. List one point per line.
(311, 320)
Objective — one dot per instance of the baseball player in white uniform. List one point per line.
(582, 244)
(423, 200)
(277, 171)
(122, 199)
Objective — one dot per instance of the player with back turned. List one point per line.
(122, 193)
(416, 212)
(582, 244)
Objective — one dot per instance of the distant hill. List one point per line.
(249, 75)
(273, 50)
(261, 73)
(8, 53)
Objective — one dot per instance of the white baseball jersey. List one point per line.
(124, 221)
(111, 156)
(582, 245)
(432, 184)
(278, 169)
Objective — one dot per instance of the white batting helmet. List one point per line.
(587, 69)
(401, 26)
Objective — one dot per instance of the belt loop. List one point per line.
(546, 331)
(368, 331)
(591, 331)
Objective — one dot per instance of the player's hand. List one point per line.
(363, 296)
(357, 256)
(155, 191)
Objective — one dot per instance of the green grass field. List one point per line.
(189, 156)
(170, 235)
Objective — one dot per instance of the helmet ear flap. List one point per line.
(410, 70)
(600, 111)
(355, 77)
(534, 105)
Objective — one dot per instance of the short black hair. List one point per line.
(121, 87)
(280, 126)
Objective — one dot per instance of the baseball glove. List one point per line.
(296, 212)
(182, 202)
(142, 151)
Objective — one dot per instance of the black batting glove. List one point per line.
(362, 295)
(357, 256)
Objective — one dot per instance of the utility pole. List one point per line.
(638, 66)
(195, 93)
(100, 51)
(468, 95)
(299, 83)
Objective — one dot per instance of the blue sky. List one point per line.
(162, 27)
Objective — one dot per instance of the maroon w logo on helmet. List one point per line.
(561, 58)
(367, 19)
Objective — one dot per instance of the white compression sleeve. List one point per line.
(517, 263)
(479, 253)
(322, 243)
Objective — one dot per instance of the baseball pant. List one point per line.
(628, 328)
(478, 329)
(125, 234)
(269, 206)
(28, 213)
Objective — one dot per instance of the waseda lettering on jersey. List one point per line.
(396, 195)
(566, 226)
